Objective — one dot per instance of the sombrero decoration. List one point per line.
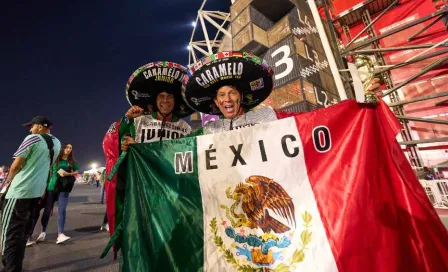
(148, 81)
(250, 74)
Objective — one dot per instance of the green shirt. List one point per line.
(63, 164)
(31, 180)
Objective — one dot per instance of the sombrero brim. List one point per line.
(148, 81)
(248, 73)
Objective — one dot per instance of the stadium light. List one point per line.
(193, 24)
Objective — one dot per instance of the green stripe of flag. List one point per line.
(163, 232)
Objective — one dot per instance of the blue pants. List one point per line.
(62, 210)
(103, 192)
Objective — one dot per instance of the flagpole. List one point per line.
(327, 48)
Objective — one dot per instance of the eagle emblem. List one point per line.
(261, 225)
(259, 195)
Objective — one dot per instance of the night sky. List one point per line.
(70, 60)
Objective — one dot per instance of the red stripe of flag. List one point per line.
(376, 214)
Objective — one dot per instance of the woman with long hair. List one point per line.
(64, 166)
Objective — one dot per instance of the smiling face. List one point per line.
(228, 100)
(165, 103)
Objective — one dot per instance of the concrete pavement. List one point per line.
(84, 217)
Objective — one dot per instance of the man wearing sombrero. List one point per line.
(230, 84)
(157, 106)
(155, 88)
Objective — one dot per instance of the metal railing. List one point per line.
(437, 192)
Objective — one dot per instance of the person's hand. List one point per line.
(61, 173)
(127, 141)
(375, 87)
(373, 93)
(134, 112)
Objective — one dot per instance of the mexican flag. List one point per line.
(328, 190)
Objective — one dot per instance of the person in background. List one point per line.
(428, 175)
(65, 166)
(104, 225)
(91, 180)
(102, 178)
(26, 183)
(3, 173)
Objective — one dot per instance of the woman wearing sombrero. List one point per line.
(230, 84)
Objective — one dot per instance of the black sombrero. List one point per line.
(153, 78)
(250, 74)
